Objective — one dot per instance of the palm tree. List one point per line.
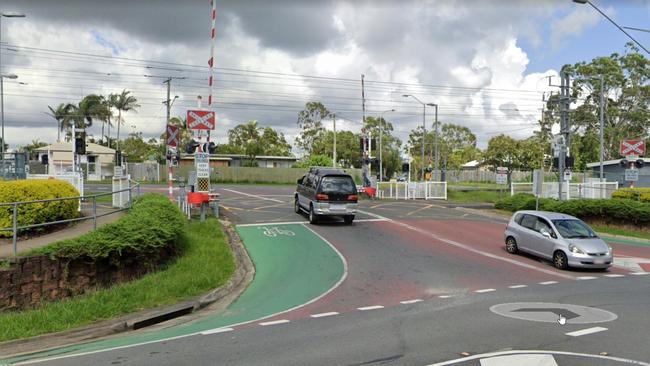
(82, 115)
(59, 114)
(124, 102)
(111, 101)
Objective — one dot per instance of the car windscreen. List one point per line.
(338, 184)
(573, 229)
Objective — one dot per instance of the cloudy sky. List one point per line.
(483, 62)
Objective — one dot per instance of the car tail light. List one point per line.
(353, 197)
(322, 197)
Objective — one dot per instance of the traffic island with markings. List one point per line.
(293, 267)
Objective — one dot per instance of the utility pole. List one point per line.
(366, 149)
(602, 126)
(381, 133)
(334, 152)
(436, 142)
(565, 101)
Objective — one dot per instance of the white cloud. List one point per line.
(576, 22)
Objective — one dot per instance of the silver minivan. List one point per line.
(563, 239)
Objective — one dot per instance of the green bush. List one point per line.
(152, 223)
(36, 213)
(639, 194)
(620, 211)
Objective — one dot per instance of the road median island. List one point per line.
(293, 267)
(203, 262)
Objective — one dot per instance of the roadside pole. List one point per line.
(170, 171)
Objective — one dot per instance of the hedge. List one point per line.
(154, 222)
(621, 211)
(34, 213)
(639, 194)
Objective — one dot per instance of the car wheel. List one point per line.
(560, 260)
(296, 206)
(313, 218)
(348, 219)
(511, 245)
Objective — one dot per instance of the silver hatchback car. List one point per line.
(563, 239)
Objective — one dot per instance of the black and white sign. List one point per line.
(202, 165)
(631, 175)
(502, 175)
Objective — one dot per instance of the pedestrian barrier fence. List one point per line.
(412, 190)
(88, 207)
(592, 189)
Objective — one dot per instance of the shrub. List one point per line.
(639, 194)
(154, 222)
(34, 213)
(621, 211)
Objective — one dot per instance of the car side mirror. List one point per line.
(546, 234)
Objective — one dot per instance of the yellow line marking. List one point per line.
(419, 209)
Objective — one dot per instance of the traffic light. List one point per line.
(80, 143)
(623, 163)
(45, 159)
(178, 155)
(118, 158)
(212, 147)
(191, 147)
(640, 163)
(568, 162)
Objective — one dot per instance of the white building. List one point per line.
(97, 164)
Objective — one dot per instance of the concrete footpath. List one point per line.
(73, 231)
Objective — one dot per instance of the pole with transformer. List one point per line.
(565, 101)
(602, 126)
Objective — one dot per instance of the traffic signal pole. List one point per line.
(170, 169)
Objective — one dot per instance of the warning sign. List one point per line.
(202, 165)
(172, 135)
(632, 147)
(200, 120)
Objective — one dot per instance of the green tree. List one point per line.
(59, 114)
(123, 102)
(31, 148)
(136, 149)
(348, 150)
(314, 160)
(390, 145)
(311, 125)
(274, 143)
(503, 151)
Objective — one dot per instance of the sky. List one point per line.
(485, 63)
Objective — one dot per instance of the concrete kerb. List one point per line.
(217, 299)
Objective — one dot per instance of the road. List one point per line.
(423, 285)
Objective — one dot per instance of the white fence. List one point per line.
(76, 179)
(592, 189)
(412, 190)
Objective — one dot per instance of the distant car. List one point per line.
(326, 192)
(563, 239)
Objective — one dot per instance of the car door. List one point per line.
(527, 233)
(303, 196)
(544, 244)
(300, 190)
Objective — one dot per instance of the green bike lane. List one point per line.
(293, 267)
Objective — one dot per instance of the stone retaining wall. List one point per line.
(29, 281)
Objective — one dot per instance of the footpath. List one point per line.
(76, 229)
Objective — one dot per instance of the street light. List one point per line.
(2, 77)
(381, 132)
(424, 128)
(582, 2)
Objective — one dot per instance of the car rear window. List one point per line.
(338, 184)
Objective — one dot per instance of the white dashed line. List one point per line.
(639, 273)
(613, 275)
(321, 315)
(282, 321)
(445, 296)
(579, 333)
(582, 278)
(548, 283)
(373, 307)
(406, 302)
(517, 286)
(485, 290)
(216, 330)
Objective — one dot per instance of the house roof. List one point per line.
(471, 164)
(67, 147)
(612, 162)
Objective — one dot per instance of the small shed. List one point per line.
(614, 172)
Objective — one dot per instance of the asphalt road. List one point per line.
(421, 281)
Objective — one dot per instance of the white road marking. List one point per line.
(217, 330)
(445, 296)
(517, 286)
(485, 290)
(548, 283)
(281, 321)
(298, 222)
(406, 302)
(321, 315)
(373, 307)
(468, 247)
(614, 275)
(579, 333)
(537, 360)
(253, 195)
(639, 273)
(538, 352)
(582, 278)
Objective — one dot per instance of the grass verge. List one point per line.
(623, 232)
(206, 263)
(474, 196)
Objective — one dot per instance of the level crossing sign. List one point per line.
(172, 135)
(632, 147)
(200, 120)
